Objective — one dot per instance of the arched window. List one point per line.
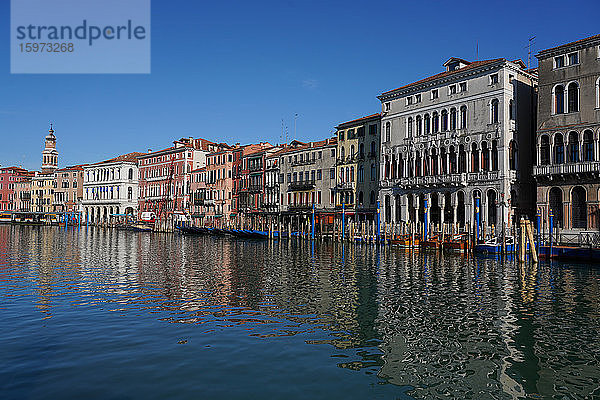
(559, 99)
(474, 158)
(559, 149)
(453, 119)
(494, 155)
(361, 173)
(352, 174)
(485, 157)
(463, 117)
(435, 122)
(372, 197)
(513, 153)
(130, 173)
(494, 111)
(545, 150)
(419, 126)
(400, 166)
(492, 207)
(351, 151)
(129, 193)
(579, 208)
(343, 153)
(361, 150)
(427, 124)
(573, 153)
(555, 200)
(453, 161)
(409, 126)
(443, 161)
(388, 131)
(573, 97)
(373, 172)
(372, 149)
(588, 146)
(360, 198)
(444, 120)
(462, 159)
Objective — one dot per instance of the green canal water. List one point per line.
(106, 314)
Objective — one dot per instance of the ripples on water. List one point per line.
(122, 315)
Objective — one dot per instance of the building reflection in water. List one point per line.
(448, 326)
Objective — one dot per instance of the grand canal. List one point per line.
(121, 315)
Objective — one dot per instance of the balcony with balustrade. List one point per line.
(301, 185)
(574, 170)
(452, 180)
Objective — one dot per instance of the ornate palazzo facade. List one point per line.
(457, 140)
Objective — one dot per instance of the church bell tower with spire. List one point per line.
(50, 154)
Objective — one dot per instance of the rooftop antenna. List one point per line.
(531, 40)
(477, 50)
(295, 119)
(282, 132)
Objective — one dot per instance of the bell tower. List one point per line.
(50, 154)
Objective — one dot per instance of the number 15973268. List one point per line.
(46, 47)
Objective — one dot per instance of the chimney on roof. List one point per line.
(149, 150)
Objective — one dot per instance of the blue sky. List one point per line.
(231, 71)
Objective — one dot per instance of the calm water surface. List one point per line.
(121, 315)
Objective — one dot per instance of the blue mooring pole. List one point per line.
(477, 218)
(425, 232)
(313, 223)
(343, 218)
(539, 225)
(378, 223)
(550, 234)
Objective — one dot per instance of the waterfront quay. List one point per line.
(108, 313)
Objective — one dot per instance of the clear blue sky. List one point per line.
(230, 71)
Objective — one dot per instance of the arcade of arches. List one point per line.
(101, 214)
(449, 207)
(573, 207)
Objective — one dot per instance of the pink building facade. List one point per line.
(165, 177)
(9, 177)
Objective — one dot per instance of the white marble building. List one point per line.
(110, 187)
(457, 136)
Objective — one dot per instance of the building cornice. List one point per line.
(569, 47)
(458, 76)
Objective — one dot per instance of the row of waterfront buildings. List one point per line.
(492, 139)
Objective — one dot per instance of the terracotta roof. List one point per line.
(20, 169)
(154, 153)
(72, 168)
(359, 119)
(131, 157)
(444, 74)
(307, 146)
(571, 43)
